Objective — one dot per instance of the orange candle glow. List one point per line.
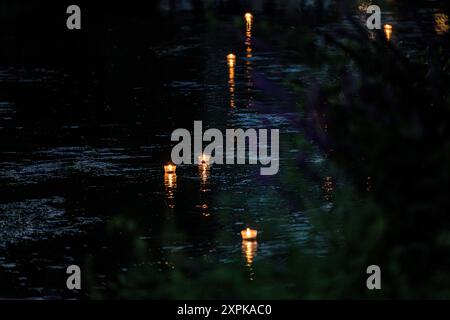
(204, 159)
(249, 234)
(249, 249)
(170, 180)
(205, 173)
(170, 185)
(249, 21)
(388, 31)
(231, 58)
(170, 168)
(327, 188)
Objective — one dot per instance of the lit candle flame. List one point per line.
(388, 31)
(249, 234)
(170, 168)
(204, 159)
(249, 21)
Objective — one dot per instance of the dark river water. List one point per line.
(82, 157)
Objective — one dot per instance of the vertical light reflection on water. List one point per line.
(369, 184)
(204, 170)
(248, 61)
(249, 250)
(248, 54)
(328, 188)
(249, 243)
(170, 186)
(231, 58)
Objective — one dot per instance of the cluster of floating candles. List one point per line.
(170, 178)
(249, 244)
(231, 58)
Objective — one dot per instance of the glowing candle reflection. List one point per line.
(441, 25)
(248, 39)
(249, 69)
(170, 185)
(369, 184)
(231, 58)
(249, 250)
(204, 169)
(248, 56)
(388, 31)
(204, 173)
(328, 188)
(248, 50)
(204, 208)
